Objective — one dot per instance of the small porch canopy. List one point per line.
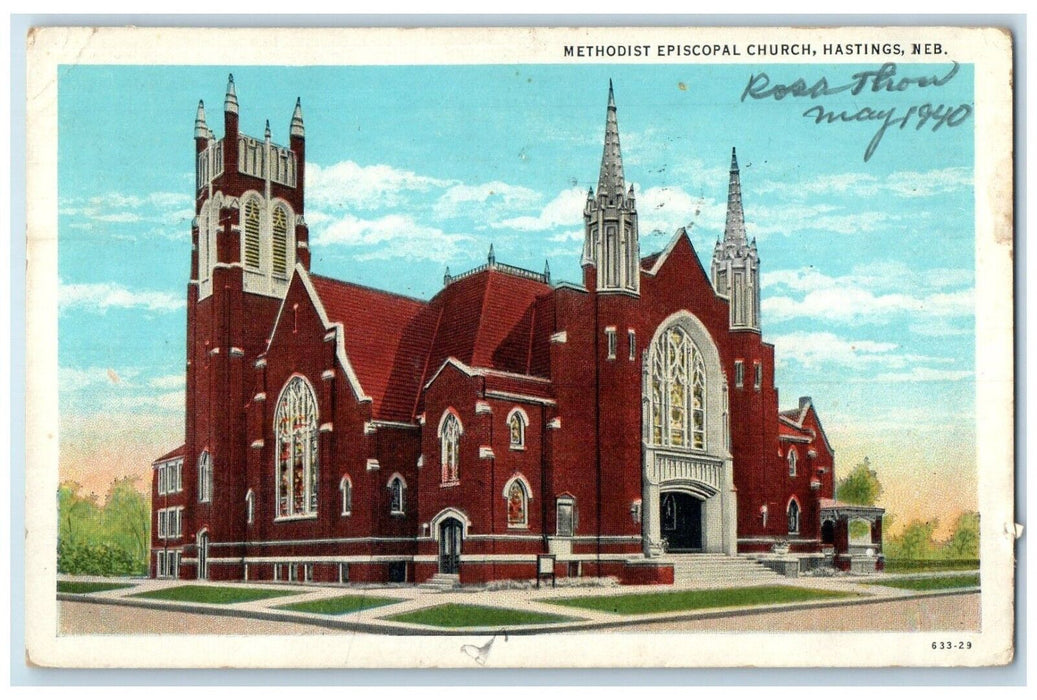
(837, 529)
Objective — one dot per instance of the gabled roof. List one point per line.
(523, 385)
(386, 338)
(487, 320)
(172, 454)
(792, 420)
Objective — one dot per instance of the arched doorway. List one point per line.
(828, 532)
(450, 537)
(681, 521)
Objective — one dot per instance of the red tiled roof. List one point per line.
(178, 452)
(394, 342)
(386, 337)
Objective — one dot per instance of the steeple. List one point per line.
(491, 258)
(610, 220)
(230, 102)
(297, 128)
(734, 230)
(201, 129)
(736, 266)
(611, 184)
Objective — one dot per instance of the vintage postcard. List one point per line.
(670, 347)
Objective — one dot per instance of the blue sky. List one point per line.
(868, 267)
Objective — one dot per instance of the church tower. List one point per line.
(610, 220)
(736, 266)
(247, 236)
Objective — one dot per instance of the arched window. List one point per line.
(792, 461)
(280, 241)
(295, 427)
(397, 495)
(565, 516)
(793, 515)
(517, 422)
(250, 507)
(450, 431)
(250, 225)
(517, 497)
(204, 477)
(346, 487)
(677, 416)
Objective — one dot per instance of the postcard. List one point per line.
(520, 347)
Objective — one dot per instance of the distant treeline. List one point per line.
(105, 539)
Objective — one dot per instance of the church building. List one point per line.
(613, 427)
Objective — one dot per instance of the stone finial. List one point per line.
(201, 129)
(230, 102)
(297, 128)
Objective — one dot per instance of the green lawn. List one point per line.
(458, 615)
(339, 605)
(89, 586)
(224, 595)
(909, 566)
(673, 601)
(930, 583)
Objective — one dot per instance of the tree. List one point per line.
(79, 517)
(127, 518)
(861, 486)
(915, 542)
(964, 543)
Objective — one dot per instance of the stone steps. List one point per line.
(712, 569)
(441, 582)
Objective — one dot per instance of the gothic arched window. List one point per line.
(517, 429)
(204, 477)
(397, 495)
(677, 391)
(280, 241)
(517, 498)
(250, 225)
(792, 461)
(295, 428)
(793, 515)
(450, 430)
(250, 506)
(346, 487)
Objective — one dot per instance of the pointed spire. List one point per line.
(547, 271)
(201, 129)
(446, 276)
(266, 132)
(491, 258)
(610, 180)
(734, 230)
(230, 102)
(297, 128)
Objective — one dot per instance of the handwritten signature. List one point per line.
(882, 80)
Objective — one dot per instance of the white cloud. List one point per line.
(102, 296)
(862, 296)
(925, 374)
(394, 235)
(666, 209)
(565, 209)
(348, 185)
(811, 349)
(169, 381)
(901, 184)
(487, 201)
(567, 237)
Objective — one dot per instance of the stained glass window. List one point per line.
(450, 440)
(295, 427)
(397, 495)
(793, 517)
(346, 487)
(517, 501)
(677, 391)
(517, 429)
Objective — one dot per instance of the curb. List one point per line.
(395, 628)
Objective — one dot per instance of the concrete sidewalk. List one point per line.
(412, 598)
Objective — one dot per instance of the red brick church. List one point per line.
(339, 433)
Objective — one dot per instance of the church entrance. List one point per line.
(681, 521)
(450, 532)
